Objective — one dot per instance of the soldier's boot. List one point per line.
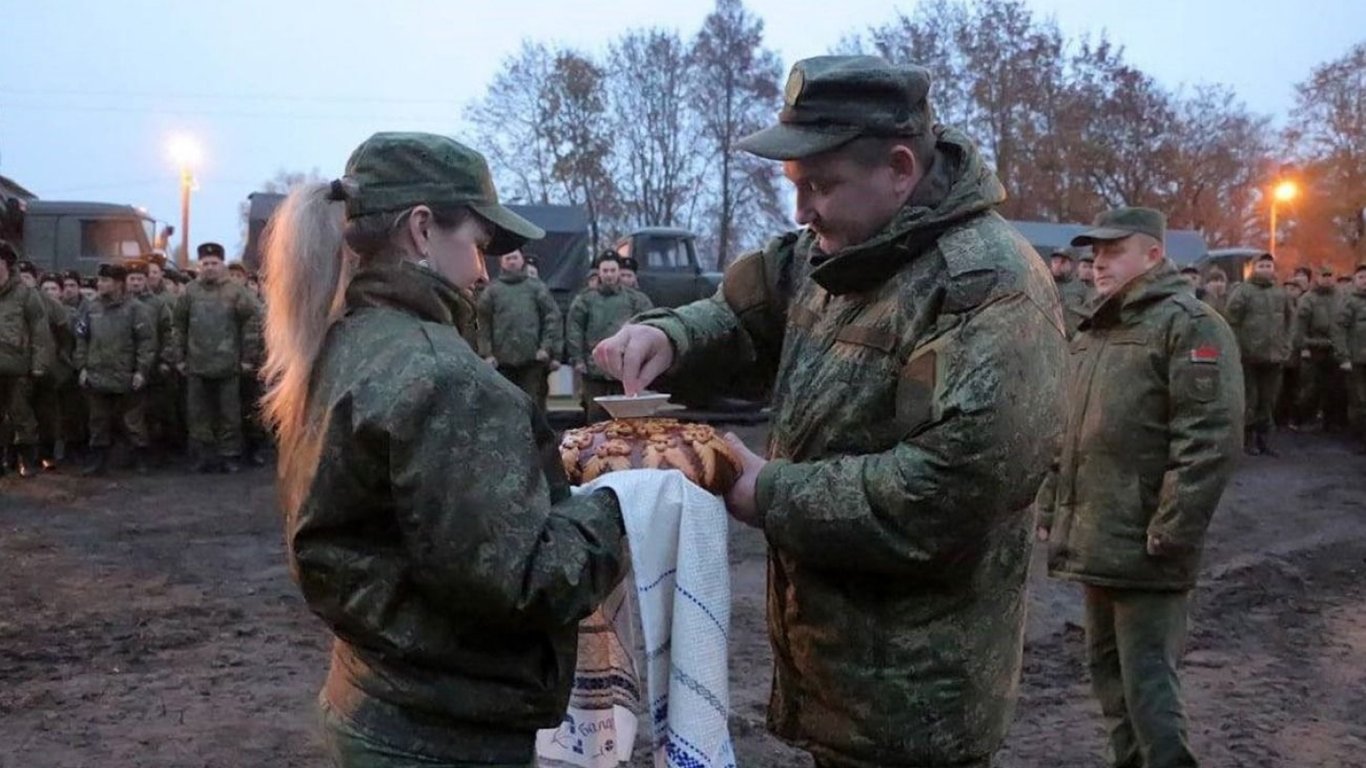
(28, 461)
(47, 454)
(97, 463)
(1250, 445)
(1264, 443)
(203, 462)
(140, 460)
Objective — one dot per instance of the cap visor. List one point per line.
(786, 141)
(1100, 235)
(512, 230)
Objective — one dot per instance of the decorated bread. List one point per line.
(696, 450)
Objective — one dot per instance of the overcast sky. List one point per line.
(90, 92)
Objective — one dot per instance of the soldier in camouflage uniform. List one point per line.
(428, 519)
(1216, 289)
(1086, 274)
(26, 354)
(1150, 444)
(1260, 315)
(594, 315)
(1313, 342)
(217, 333)
(165, 392)
(1075, 294)
(254, 437)
(1349, 339)
(916, 345)
(47, 391)
(521, 331)
(115, 351)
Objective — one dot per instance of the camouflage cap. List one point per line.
(1064, 253)
(1087, 255)
(395, 171)
(1123, 222)
(831, 100)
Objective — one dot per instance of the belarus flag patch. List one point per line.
(1206, 354)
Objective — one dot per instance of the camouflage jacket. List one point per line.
(1076, 300)
(517, 319)
(596, 314)
(914, 414)
(162, 306)
(1314, 321)
(114, 340)
(1260, 315)
(62, 324)
(1155, 386)
(1349, 335)
(216, 329)
(26, 346)
(432, 529)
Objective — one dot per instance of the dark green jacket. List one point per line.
(114, 340)
(517, 319)
(217, 329)
(26, 346)
(1155, 425)
(62, 324)
(1314, 320)
(1349, 337)
(596, 314)
(1260, 315)
(1076, 300)
(915, 412)
(434, 533)
(162, 306)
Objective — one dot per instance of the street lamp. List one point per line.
(1283, 192)
(185, 152)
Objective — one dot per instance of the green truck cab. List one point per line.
(59, 235)
(670, 273)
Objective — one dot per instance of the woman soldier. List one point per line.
(428, 520)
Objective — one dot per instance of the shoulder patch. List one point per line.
(965, 250)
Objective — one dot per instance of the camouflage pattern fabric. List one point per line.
(1261, 316)
(213, 409)
(1076, 302)
(26, 346)
(596, 314)
(18, 424)
(1156, 389)
(914, 414)
(517, 319)
(1314, 320)
(115, 339)
(216, 329)
(429, 481)
(1349, 332)
(128, 410)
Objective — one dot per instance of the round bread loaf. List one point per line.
(611, 446)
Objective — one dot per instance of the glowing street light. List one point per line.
(1283, 192)
(186, 153)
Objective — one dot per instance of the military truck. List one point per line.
(670, 273)
(58, 235)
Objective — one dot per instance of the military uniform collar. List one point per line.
(512, 278)
(1158, 283)
(407, 287)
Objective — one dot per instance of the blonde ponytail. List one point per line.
(304, 278)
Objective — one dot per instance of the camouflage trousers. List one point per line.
(18, 425)
(1134, 641)
(214, 413)
(1319, 388)
(129, 409)
(165, 410)
(49, 408)
(1356, 385)
(347, 747)
(531, 379)
(1262, 387)
(593, 388)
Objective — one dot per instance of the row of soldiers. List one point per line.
(522, 333)
(1303, 341)
(164, 359)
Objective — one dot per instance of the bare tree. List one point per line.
(510, 124)
(735, 87)
(579, 137)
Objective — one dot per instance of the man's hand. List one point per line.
(180, 367)
(1304, 354)
(554, 365)
(1041, 533)
(138, 381)
(83, 378)
(581, 369)
(246, 367)
(542, 356)
(1157, 547)
(741, 499)
(636, 355)
(1346, 365)
(165, 369)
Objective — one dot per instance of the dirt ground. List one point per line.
(152, 622)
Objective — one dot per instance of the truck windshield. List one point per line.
(114, 238)
(666, 255)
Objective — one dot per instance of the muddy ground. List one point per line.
(151, 622)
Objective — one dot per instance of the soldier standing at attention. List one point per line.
(254, 437)
(1192, 277)
(48, 406)
(1314, 342)
(1260, 315)
(1086, 264)
(218, 337)
(164, 391)
(26, 355)
(1074, 294)
(1288, 406)
(596, 314)
(115, 352)
(1350, 341)
(916, 345)
(1150, 444)
(71, 291)
(520, 328)
(1216, 289)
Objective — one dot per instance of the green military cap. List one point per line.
(395, 171)
(1123, 222)
(1087, 255)
(831, 100)
(1066, 253)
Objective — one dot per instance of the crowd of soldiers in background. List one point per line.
(161, 359)
(1302, 341)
